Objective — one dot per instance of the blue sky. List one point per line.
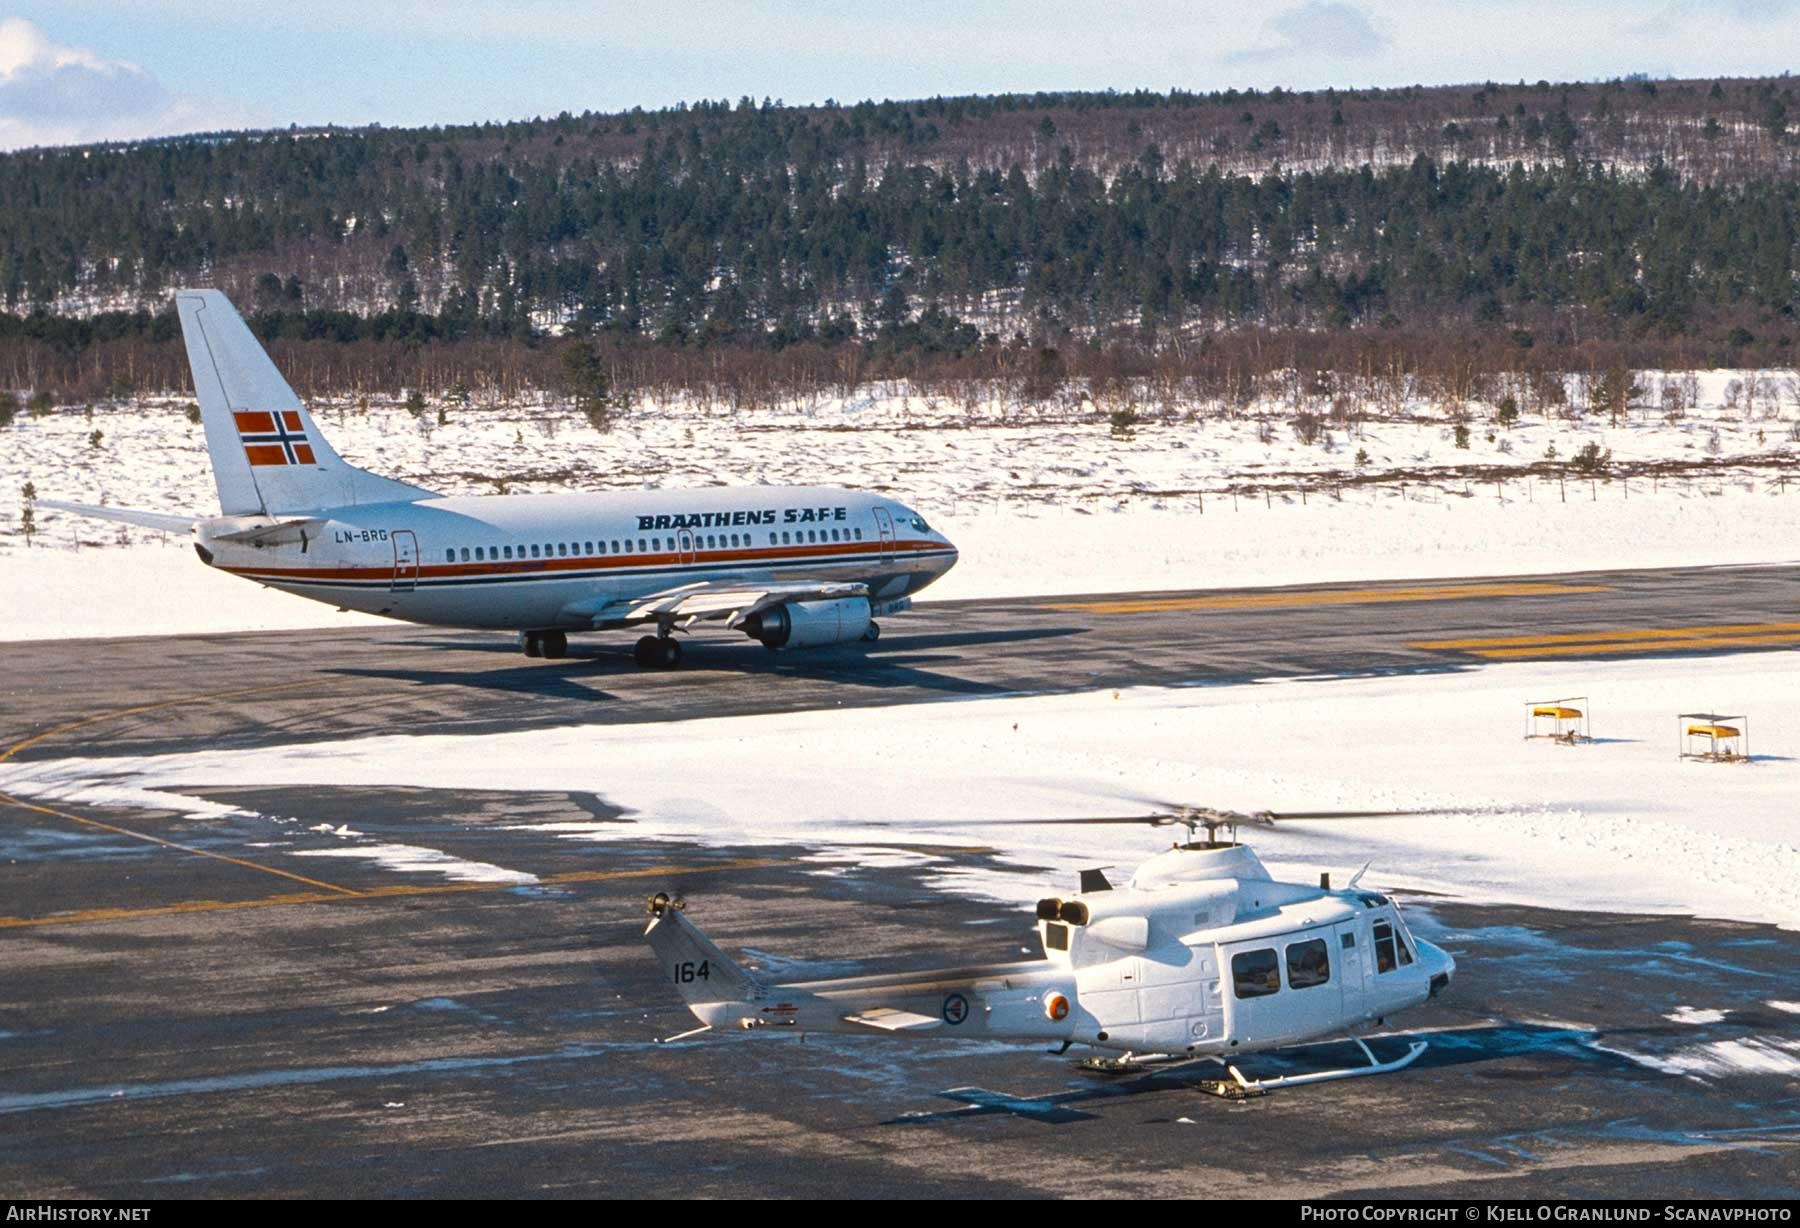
(78, 70)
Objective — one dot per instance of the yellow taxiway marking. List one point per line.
(1596, 643)
(10, 800)
(89, 916)
(324, 893)
(120, 714)
(1326, 597)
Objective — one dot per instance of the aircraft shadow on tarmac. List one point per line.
(895, 661)
(1449, 1049)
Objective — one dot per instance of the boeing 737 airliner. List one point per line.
(790, 566)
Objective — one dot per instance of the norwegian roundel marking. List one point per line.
(956, 1009)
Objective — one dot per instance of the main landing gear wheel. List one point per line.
(551, 644)
(659, 650)
(873, 633)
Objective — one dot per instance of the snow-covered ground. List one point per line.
(1622, 824)
(1042, 499)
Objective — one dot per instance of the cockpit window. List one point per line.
(1385, 958)
(918, 523)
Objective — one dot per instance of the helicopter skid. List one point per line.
(1129, 1062)
(1239, 1088)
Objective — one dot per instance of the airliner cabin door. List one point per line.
(684, 546)
(406, 561)
(884, 530)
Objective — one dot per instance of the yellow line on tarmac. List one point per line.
(1788, 639)
(1325, 597)
(9, 799)
(121, 713)
(90, 916)
(1601, 637)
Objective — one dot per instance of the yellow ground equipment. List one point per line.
(1713, 737)
(1563, 721)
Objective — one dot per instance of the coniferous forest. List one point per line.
(751, 247)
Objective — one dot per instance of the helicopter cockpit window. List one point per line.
(1056, 936)
(1255, 974)
(1308, 964)
(1385, 958)
(1401, 947)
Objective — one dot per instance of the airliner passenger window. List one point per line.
(811, 535)
(478, 555)
(465, 554)
(784, 537)
(508, 551)
(858, 533)
(643, 546)
(1308, 964)
(534, 550)
(562, 548)
(1255, 974)
(627, 545)
(450, 555)
(656, 543)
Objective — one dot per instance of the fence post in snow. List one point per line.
(1562, 487)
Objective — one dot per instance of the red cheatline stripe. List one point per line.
(717, 558)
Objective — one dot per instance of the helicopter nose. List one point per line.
(1439, 966)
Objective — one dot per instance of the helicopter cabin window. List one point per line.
(1308, 964)
(1347, 941)
(1255, 974)
(1056, 936)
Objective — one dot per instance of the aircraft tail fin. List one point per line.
(268, 455)
(710, 983)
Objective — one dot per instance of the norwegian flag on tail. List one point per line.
(273, 437)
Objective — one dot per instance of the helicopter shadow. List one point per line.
(1450, 1048)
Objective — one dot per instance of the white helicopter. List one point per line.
(1201, 956)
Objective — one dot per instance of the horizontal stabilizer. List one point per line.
(888, 1019)
(274, 533)
(162, 522)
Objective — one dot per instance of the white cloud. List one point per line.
(1319, 28)
(51, 94)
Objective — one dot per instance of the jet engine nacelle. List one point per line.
(807, 624)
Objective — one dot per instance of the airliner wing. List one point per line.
(161, 521)
(709, 600)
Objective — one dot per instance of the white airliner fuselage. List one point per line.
(554, 561)
(789, 566)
